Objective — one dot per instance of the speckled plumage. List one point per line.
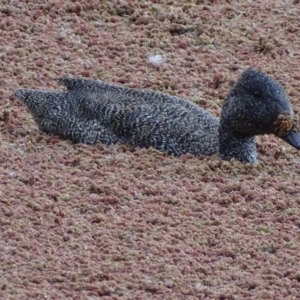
(95, 111)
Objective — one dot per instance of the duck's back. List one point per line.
(146, 118)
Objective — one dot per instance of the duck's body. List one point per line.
(95, 111)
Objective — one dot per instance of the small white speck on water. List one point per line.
(199, 287)
(156, 59)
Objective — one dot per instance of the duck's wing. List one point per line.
(73, 83)
(113, 94)
(85, 85)
(174, 130)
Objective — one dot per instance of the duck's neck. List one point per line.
(232, 146)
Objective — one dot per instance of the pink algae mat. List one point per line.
(91, 222)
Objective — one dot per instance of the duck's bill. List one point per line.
(293, 138)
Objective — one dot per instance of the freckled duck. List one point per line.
(94, 111)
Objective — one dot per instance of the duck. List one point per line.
(93, 111)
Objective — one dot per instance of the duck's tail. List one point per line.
(33, 99)
(30, 96)
(23, 94)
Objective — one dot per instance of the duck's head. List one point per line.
(258, 104)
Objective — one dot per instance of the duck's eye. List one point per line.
(257, 94)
